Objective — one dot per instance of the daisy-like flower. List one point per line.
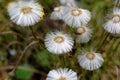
(25, 13)
(62, 74)
(83, 34)
(75, 17)
(113, 25)
(58, 13)
(58, 42)
(90, 60)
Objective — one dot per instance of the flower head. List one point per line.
(83, 34)
(76, 17)
(113, 25)
(58, 13)
(90, 60)
(58, 42)
(25, 13)
(62, 74)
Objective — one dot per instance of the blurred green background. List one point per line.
(37, 61)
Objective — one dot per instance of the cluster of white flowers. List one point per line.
(27, 13)
(74, 17)
(60, 43)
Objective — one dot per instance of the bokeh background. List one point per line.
(36, 61)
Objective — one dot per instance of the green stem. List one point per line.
(117, 46)
(110, 52)
(64, 59)
(103, 42)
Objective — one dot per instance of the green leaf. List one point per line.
(25, 72)
(44, 58)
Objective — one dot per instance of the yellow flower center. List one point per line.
(62, 78)
(57, 9)
(81, 30)
(59, 39)
(116, 18)
(26, 10)
(90, 55)
(76, 12)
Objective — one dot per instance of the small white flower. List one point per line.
(70, 5)
(113, 25)
(75, 17)
(58, 42)
(62, 74)
(64, 2)
(25, 13)
(90, 60)
(58, 13)
(83, 34)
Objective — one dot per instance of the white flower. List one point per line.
(113, 25)
(90, 60)
(58, 42)
(75, 17)
(83, 34)
(58, 13)
(64, 2)
(25, 13)
(71, 4)
(62, 74)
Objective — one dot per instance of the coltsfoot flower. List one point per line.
(113, 25)
(62, 74)
(76, 17)
(83, 34)
(58, 13)
(90, 60)
(58, 42)
(25, 13)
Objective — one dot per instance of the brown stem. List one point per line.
(32, 32)
(22, 54)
